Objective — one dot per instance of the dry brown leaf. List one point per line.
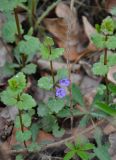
(112, 139)
(111, 73)
(65, 30)
(44, 136)
(89, 29)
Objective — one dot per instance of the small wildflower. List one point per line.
(64, 82)
(60, 92)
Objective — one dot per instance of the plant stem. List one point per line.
(45, 13)
(19, 35)
(17, 24)
(22, 129)
(33, 12)
(52, 70)
(106, 80)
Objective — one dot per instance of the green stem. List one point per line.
(45, 13)
(17, 24)
(52, 72)
(19, 35)
(33, 12)
(106, 80)
(51, 68)
(21, 123)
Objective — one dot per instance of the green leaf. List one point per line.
(48, 41)
(83, 155)
(107, 26)
(47, 121)
(100, 69)
(19, 136)
(55, 105)
(69, 155)
(62, 73)
(58, 132)
(56, 53)
(102, 153)
(70, 146)
(76, 94)
(45, 51)
(87, 146)
(34, 131)
(98, 40)
(26, 119)
(112, 88)
(8, 5)
(45, 82)
(84, 121)
(113, 11)
(9, 31)
(29, 46)
(26, 135)
(101, 89)
(26, 102)
(19, 157)
(98, 136)
(111, 42)
(29, 68)
(17, 83)
(23, 136)
(65, 112)
(34, 147)
(107, 109)
(42, 110)
(9, 98)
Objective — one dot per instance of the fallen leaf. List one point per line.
(112, 74)
(65, 30)
(44, 136)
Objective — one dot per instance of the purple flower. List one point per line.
(60, 92)
(64, 82)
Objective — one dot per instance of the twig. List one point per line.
(45, 13)
(59, 143)
(72, 4)
(44, 64)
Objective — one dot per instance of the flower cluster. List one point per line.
(61, 92)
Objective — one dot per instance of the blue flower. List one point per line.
(60, 92)
(64, 82)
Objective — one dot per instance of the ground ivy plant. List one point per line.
(105, 39)
(26, 45)
(15, 95)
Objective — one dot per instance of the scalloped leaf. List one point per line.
(56, 105)
(98, 40)
(9, 31)
(107, 26)
(45, 82)
(100, 69)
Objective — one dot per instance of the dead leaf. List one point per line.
(112, 74)
(112, 140)
(89, 29)
(65, 30)
(44, 136)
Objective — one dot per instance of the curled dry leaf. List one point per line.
(65, 30)
(89, 29)
(112, 74)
